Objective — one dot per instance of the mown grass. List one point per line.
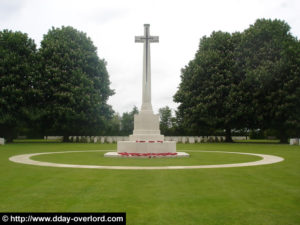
(97, 158)
(265, 195)
(258, 141)
(37, 141)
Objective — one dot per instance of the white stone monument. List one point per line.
(146, 137)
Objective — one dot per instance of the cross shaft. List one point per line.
(146, 40)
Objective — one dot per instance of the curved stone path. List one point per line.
(25, 159)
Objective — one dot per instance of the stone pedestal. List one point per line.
(147, 147)
(146, 137)
(146, 127)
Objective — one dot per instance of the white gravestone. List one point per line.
(294, 141)
(2, 141)
(179, 139)
(102, 140)
(119, 138)
(191, 140)
(109, 140)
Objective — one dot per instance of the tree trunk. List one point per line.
(283, 140)
(283, 137)
(66, 138)
(8, 133)
(228, 137)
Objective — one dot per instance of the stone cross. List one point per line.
(146, 39)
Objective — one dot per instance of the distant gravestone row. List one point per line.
(178, 139)
(98, 139)
(192, 140)
(200, 139)
(58, 138)
(295, 141)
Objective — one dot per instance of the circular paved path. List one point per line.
(25, 159)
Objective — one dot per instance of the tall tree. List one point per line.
(209, 90)
(127, 121)
(75, 84)
(166, 120)
(269, 60)
(114, 125)
(17, 72)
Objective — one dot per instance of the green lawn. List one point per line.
(265, 195)
(265, 141)
(97, 158)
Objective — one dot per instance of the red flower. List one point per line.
(148, 154)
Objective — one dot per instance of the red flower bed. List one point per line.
(147, 154)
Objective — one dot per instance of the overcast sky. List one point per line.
(112, 25)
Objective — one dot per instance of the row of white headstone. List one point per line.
(53, 138)
(295, 141)
(192, 140)
(178, 139)
(98, 139)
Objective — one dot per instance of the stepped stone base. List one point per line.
(146, 147)
(146, 137)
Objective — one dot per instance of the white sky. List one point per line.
(112, 25)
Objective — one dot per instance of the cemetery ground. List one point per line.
(266, 195)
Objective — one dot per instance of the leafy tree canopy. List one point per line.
(269, 60)
(127, 121)
(166, 120)
(17, 72)
(208, 93)
(243, 80)
(75, 84)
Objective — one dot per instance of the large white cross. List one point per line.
(146, 39)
